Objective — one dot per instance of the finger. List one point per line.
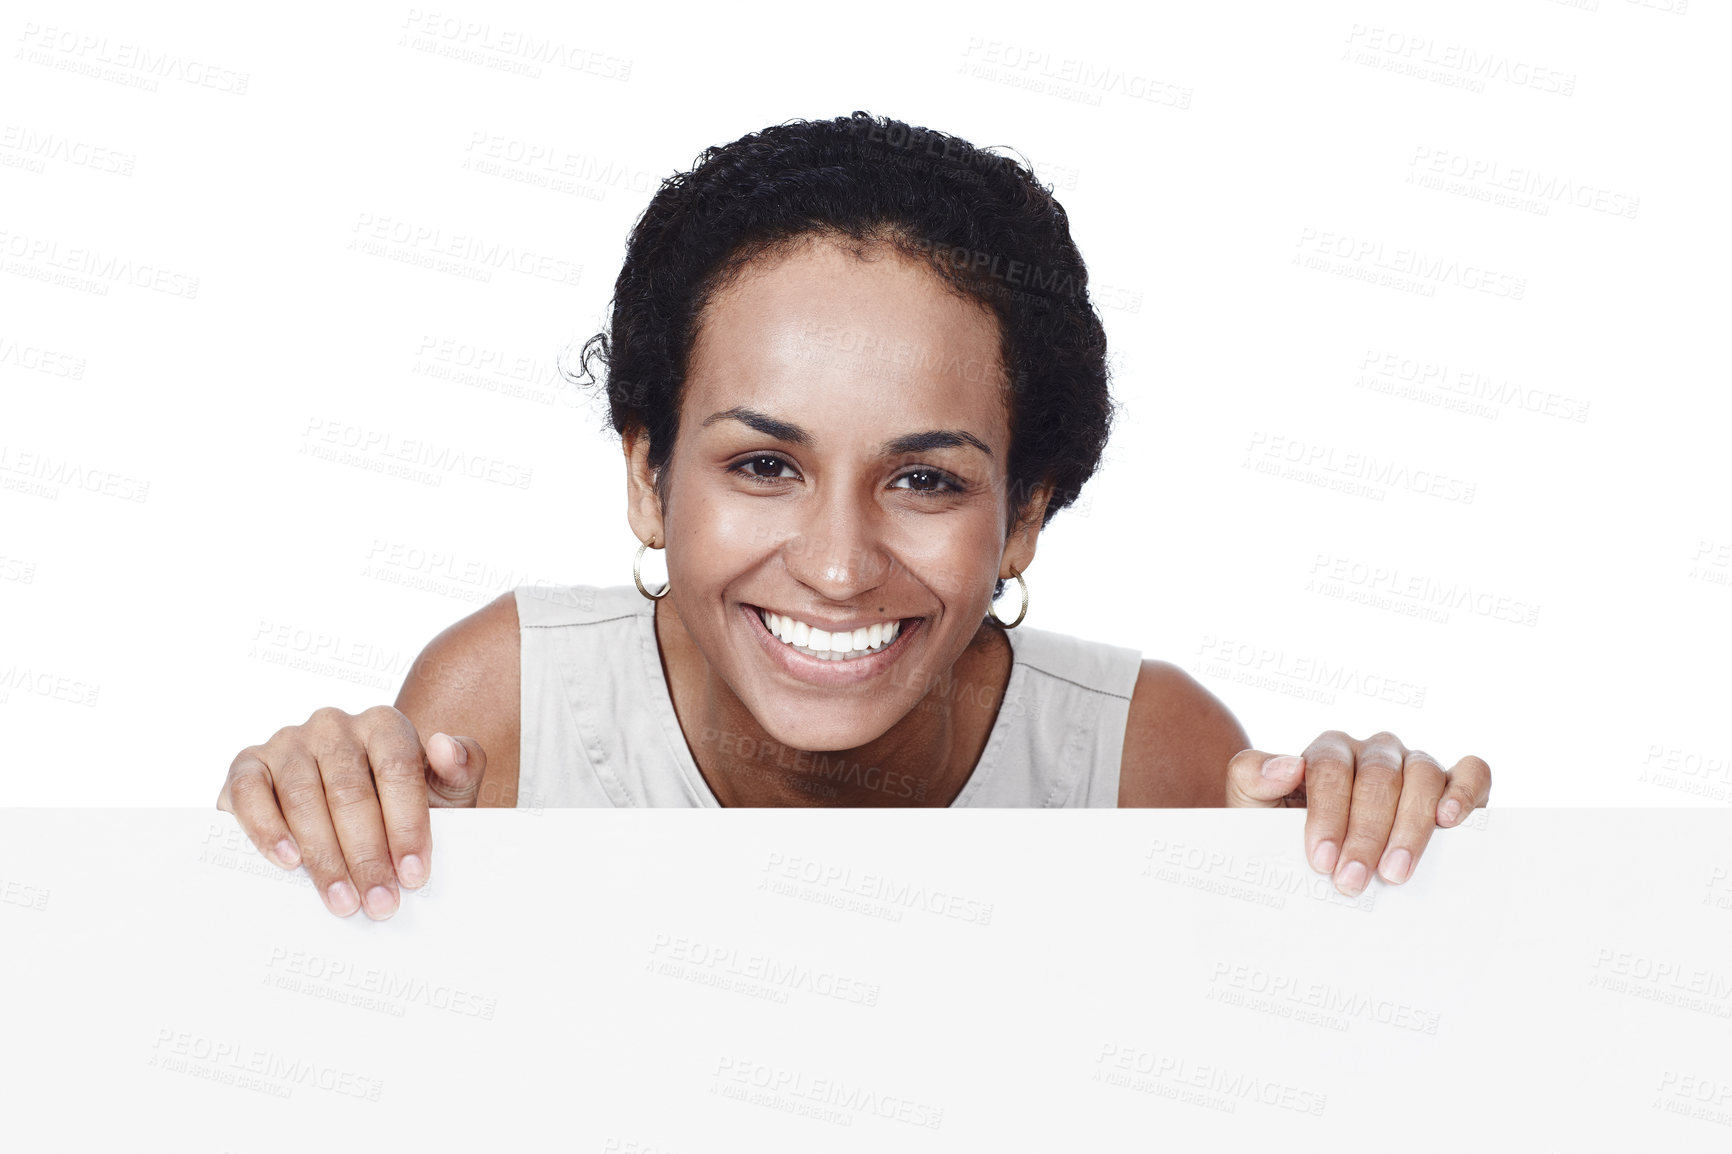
(1422, 782)
(1328, 797)
(1262, 780)
(248, 795)
(301, 798)
(1468, 788)
(360, 824)
(1376, 793)
(456, 765)
(399, 769)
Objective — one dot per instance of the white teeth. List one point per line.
(838, 646)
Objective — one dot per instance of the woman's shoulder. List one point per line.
(466, 681)
(546, 606)
(1179, 738)
(1096, 665)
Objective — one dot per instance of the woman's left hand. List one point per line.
(1371, 804)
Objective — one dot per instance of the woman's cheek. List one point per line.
(714, 523)
(958, 562)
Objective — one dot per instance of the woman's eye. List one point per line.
(762, 468)
(929, 481)
(768, 469)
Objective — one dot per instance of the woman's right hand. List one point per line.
(348, 794)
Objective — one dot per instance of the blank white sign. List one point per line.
(775, 980)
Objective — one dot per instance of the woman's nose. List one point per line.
(838, 554)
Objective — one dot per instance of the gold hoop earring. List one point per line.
(637, 574)
(990, 612)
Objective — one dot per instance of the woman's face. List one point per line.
(841, 461)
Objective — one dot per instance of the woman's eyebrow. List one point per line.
(795, 435)
(933, 439)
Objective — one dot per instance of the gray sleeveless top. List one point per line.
(598, 723)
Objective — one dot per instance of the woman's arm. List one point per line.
(467, 681)
(1179, 738)
(1372, 804)
(348, 795)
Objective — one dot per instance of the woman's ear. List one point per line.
(1024, 533)
(643, 506)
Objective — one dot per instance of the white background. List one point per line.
(167, 551)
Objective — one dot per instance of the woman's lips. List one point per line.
(829, 672)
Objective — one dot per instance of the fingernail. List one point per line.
(288, 853)
(1352, 879)
(411, 870)
(459, 755)
(380, 903)
(1396, 863)
(343, 899)
(1281, 766)
(1450, 811)
(1323, 857)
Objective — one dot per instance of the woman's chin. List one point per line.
(827, 730)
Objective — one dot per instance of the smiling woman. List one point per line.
(855, 371)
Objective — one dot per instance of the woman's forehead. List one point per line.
(821, 328)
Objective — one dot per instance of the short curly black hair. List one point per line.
(982, 221)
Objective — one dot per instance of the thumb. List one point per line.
(1260, 780)
(455, 766)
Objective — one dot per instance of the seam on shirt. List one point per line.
(1078, 684)
(573, 624)
(1075, 749)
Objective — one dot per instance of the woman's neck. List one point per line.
(923, 760)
